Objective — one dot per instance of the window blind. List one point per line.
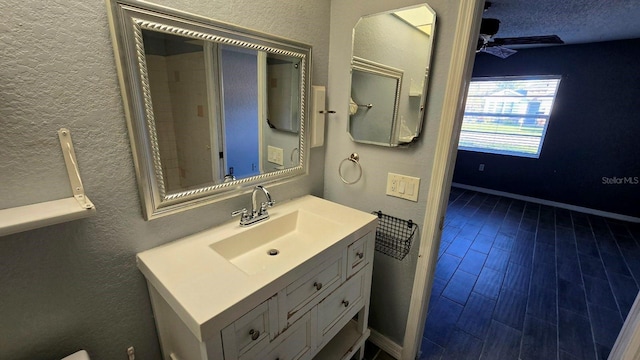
(508, 115)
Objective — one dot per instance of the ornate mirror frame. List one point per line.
(127, 19)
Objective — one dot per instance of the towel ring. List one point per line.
(293, 152)
(354, 158)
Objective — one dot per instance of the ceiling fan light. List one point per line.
(499, 51)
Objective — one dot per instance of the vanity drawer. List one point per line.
(318, 282)
(252, 332)
(341, 302)
(297, 345)
(357, 256)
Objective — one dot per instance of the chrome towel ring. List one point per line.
(354, 158)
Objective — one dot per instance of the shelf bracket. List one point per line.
(72, 169)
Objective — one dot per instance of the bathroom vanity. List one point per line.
(295, 286)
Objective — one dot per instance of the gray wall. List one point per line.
(76, 285)
(393, 279)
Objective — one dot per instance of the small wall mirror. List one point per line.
(389, 75)
(212, 108)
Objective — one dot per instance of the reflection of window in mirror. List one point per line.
(239, 79)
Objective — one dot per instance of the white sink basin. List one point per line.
(204, 275)
(278, 242)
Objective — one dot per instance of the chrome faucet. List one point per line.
(257, 214)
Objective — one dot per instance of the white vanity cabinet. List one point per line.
(317, 309)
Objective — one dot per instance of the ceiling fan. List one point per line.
(498, 46)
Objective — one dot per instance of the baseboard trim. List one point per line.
(548, 202)
(386, 344)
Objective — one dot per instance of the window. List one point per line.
(508, 115)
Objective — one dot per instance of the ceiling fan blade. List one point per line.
(527, 40)
(499, 51)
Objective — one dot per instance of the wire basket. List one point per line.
(394, 236)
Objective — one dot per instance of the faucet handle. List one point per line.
(265, 205)
(244, 212)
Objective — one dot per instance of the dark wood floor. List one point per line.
(518, 280)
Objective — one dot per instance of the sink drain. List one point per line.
(273, 252)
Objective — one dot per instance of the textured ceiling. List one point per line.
(575, 21)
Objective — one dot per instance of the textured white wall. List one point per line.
(76, 285)
(392, 279)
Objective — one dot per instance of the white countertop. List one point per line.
(202, 286)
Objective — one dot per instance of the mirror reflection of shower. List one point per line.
(203, 143)
(391, 40)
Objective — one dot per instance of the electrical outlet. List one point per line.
(403, 186)
(275, 155)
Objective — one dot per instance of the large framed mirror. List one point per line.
(212, 108)
(388, 104)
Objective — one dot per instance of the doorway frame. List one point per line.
(627, 345)
(462, 60)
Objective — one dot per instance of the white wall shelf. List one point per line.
(38, 215)
(29, 217)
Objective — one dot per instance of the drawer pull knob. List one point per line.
(360, 255)
(255, 334)
(317, 285)
(345, 303)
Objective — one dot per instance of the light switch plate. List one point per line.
(403, 186)
(275, 155)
